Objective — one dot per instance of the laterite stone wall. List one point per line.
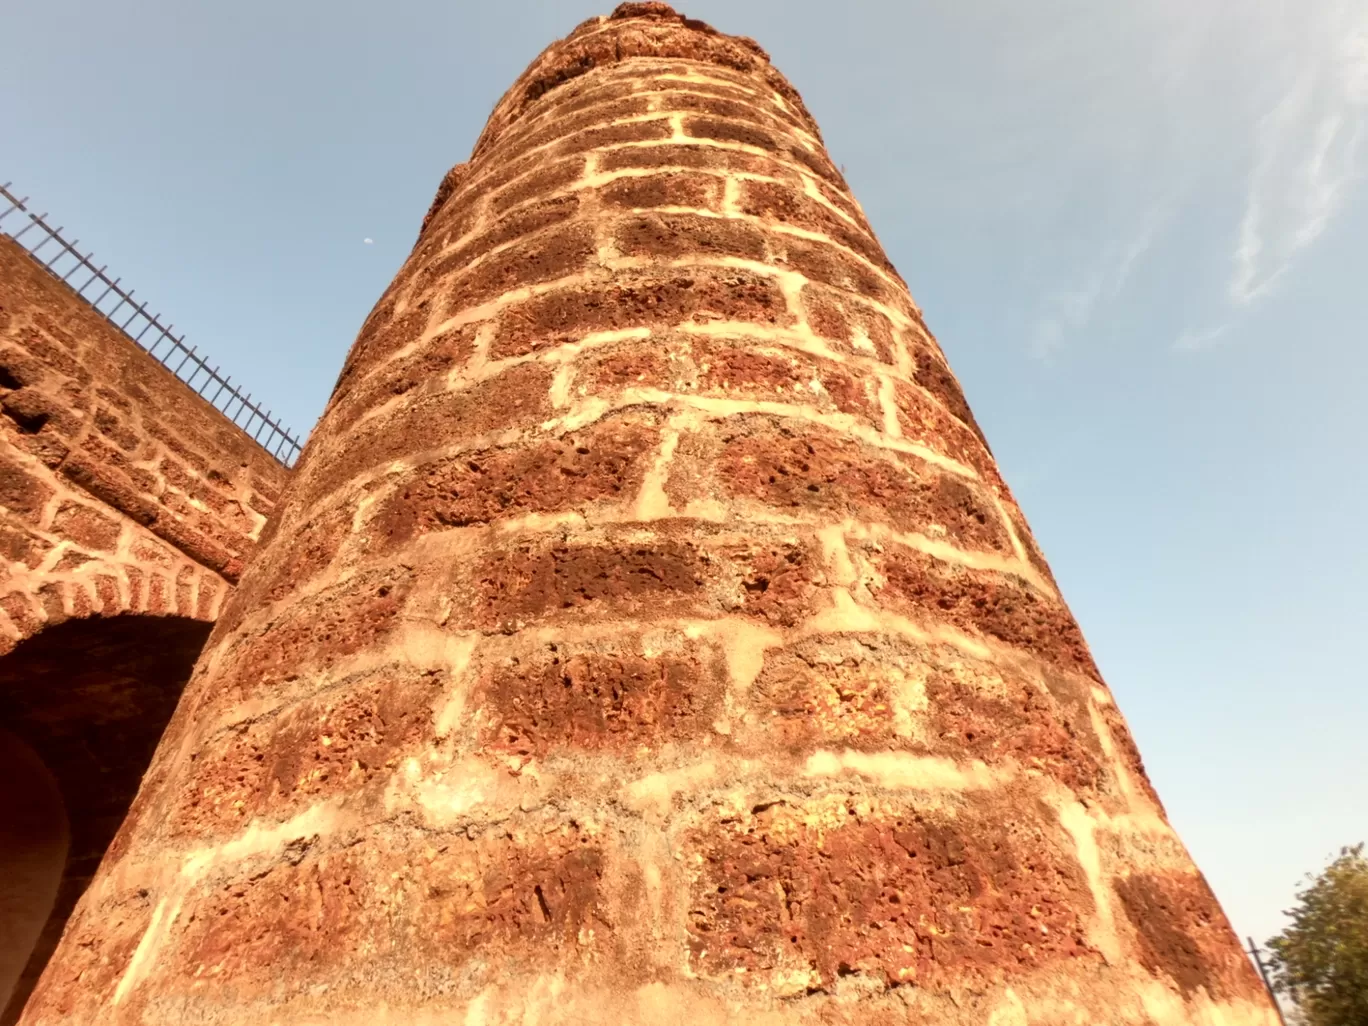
(120, 489)
(646, 636)
(128, 507)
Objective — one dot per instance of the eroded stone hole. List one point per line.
(29, 422)
(84, 704)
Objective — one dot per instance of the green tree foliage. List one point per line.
(1321, 958)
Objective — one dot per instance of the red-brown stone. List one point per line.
(827, 264)
(840, 478)
(1184, 935)
(640, 299)
(671, 189)
(883, 693)
(935, 376)
(518, 141)
(525, 583)
(686, 155)
(576, 698)
(338, 743)
(928, 422)
(780, 580)
(105, 935)
(679, 236)
(600, 464)
(21, 492)
(994, 605)
(789, 205)
(312, 918)
(530, 261)
(840, 317)
(897, 895)
(313, 634)
(423, 372)
(519, 397)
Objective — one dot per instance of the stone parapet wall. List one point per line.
(647, 636)
(120, 489)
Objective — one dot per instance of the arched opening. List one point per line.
(84, 703)
(33, 851)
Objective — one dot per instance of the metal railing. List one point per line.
(130, 317)
(1256, 953)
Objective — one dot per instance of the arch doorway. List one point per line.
(82, 706)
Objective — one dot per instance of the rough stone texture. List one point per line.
(647, 636)
(128, 506)
(120, 489)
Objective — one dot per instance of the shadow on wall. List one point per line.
(83, 704)
(33, 851)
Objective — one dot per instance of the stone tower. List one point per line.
(647, 637)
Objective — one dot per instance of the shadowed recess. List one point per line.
(91, 699)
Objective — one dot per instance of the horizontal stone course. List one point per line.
(737, 369)
(932, 373)
(531, 261)
(309, 548)
(855, 327)
(604, 463)
(105, 935)
(690, 154)
(993, 605)
(520, 139)
(682, 235)
(823, 263)
(615, 103)
(341, 742)
(884, 693)
(925, 419)
(725, 130)
(812, 471)
(605, 695)
(517, 398)
(423, 372)
(788, 205)
(359, 915)
(785, 895)
(768, 575)
(307, 636)
(510, 227)
(622, 49)
(649, 298)
(669, 189)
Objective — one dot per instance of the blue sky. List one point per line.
(1139, 230)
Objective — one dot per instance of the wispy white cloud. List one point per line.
(1306, 153)
(1068, 311)
(1203, 339)
(1252, 110)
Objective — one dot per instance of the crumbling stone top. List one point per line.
(635, 30)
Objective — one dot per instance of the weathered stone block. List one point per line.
(792, 897)
(650, 299)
